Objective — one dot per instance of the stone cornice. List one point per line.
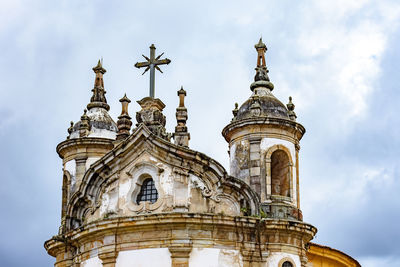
(72, 144)
(164, 224)
(288, 125)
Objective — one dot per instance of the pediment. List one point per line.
(185, 181)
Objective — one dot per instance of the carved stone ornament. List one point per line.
(139, 173)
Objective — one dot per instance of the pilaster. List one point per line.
(109, 258)
(108, 253)
(180, 256)
(297, 176)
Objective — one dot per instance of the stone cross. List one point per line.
(152, 64)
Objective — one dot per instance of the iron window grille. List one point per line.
(148, 192)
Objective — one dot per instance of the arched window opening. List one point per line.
(148, 192)
(287, 264)
(280, 173)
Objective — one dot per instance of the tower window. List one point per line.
(148, 192)
(280, 173)
(287, 264)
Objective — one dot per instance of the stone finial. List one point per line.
(261, 49)
(255, 107)
(235, 110)
(124, 122)
(98, 99)
(152, 117)
(181, 94)
(84, 126)
(261, 79)
(181, 134)
(290, 106)
(70, 129)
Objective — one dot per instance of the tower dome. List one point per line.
(266, 105)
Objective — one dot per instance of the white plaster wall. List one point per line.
(274, 258)
(215, 257)
(160, 257)
(109, 203)
(92, 262)
(95, 132)
(232, 151)
(124, 187)
(70, 166)
(90, 161)
(166, 181)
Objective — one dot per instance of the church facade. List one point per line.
(139, 196)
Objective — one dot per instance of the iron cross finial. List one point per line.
(152, 65)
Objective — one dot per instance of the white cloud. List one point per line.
(342, 47)
(10, 11)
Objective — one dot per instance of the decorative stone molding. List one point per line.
(227, 205)
(254, 237)
(205, 188)
(151, 115)
(273, 148)
(180, 175)
(139, 173)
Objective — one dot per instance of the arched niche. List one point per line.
(279, 173)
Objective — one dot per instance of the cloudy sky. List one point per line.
(339, 60)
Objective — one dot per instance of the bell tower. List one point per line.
(89, 139)
(264, 140)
